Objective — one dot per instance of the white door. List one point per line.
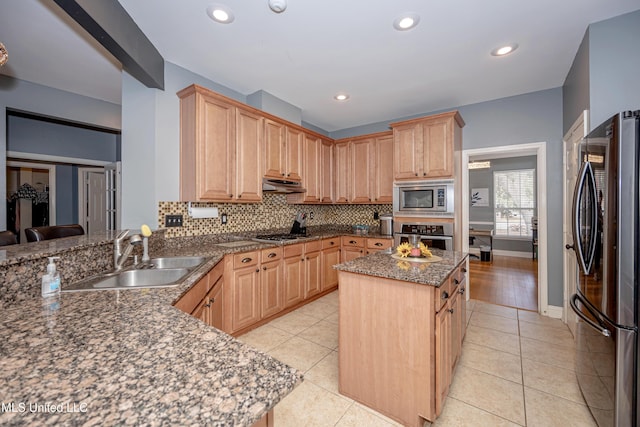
(96, 202)
(572, 165)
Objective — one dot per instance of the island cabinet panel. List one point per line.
(274, 148)
(443, 357)
(386, 357)
(425, 148)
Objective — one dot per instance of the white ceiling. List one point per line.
(315, 49)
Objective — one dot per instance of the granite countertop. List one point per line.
(129, 356)
(381, 264)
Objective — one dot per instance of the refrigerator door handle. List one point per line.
(598, 327)
(585, 250)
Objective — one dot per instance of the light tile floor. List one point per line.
(516, 369)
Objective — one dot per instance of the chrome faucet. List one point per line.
(120, 257)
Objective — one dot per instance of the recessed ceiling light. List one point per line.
(406, 21)
(220, 13)
(504, 50)
(341, 97)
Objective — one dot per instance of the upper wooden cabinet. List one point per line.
(293, 154)
(220, 146)
(274, 149)
(311, 168)
(424, 148)
(327, 172)
(341, 161)
(383, 178)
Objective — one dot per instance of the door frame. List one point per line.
(52, 182)
(581, 124)
(82, 187)
(539, 149)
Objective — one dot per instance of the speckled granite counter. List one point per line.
(127, 357)
(381, 264)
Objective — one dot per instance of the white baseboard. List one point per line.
(501, 252)
(554, 312)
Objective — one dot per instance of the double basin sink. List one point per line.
(157, 273)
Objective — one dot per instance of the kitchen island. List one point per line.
(400, 331)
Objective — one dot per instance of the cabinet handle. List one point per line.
(461, 291)
(239, 195)
(464, 270)
(272, 254)
(450, 310)
(246, 260)
(456, 281)
(288, 174)
(332, 242)
(257, 270)
(361, 251)
(352, 242)
(207, 305)
(231, 195)
(212, 300)
(283, 174)
(416, 173)
(301, 259)
(264, 268)
(378, 244)
(445, 295)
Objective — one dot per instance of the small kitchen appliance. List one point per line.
(386, 224)
(423, 198)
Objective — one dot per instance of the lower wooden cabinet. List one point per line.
(312, 273)
(205, 299)
(375, 244)
(352, 247)
(293, 275)
(330, 257)
(244, 292)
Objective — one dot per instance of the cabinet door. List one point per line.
(330, 257)
(293, 169)
(244, 297)
(360, 171)
(293, 280)
(215, 302)
(407, 151)
(443, 364)
(341, 156)
(274, 149)
(271, 281)
(383, 176)
(202, 311)
(456, 328)
(326, 172)
(215, 149)
(248, 164)
(437, 151)
(311, 169)
(349, 253)
(312, 274)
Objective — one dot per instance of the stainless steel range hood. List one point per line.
(281, 186)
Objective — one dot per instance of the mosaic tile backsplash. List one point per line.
(273, 212)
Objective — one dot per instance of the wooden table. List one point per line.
(482, 234)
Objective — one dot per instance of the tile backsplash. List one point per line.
(272, 212)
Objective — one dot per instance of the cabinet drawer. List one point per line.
(331, 243)
(355, 242)
(314, 246)
(246, 259)
(442, 294)
(375, 243)
(271, 254)
(293, 250)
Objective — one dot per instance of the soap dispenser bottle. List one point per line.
(51, 280)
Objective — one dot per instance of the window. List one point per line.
(514, 202)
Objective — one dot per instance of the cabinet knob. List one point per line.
(207, 305)
(246, 260)
(231, 195)
(212, 300)
(332, 242)
(264, 268)
(361, 251)
(416, 174)
(464, 270)
(461, 291)
(301, 259)
(424, 174)
(450, 310)
(283, 174)
(288, 174)
(456, 281)
(257, 270)
(445, 295)
(239, 195)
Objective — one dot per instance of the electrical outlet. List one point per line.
(173, 221)
(375, 215)
(311, 215)
(223, 218)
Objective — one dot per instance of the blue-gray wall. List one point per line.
(614, 61)
(483, 178)
(24, 96)
(66, 194)
(575, 91)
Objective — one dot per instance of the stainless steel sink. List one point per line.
(177, 262)
(131, 279)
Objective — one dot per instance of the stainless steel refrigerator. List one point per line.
(606, 234)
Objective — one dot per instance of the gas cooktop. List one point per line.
(270, 238)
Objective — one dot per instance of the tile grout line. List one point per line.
(524, 397)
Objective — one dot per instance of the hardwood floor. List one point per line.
(507, 281)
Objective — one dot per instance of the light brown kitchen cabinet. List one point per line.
(312, 268)
(244, 290)
(424, 148)
(311, 168)
(293, 154)
(443, 356)
(352, 247)
(342, 162)
(205, 299)
(326, 172)
(330, 257)
(293, 274)
(274, 149)
(361, 170)
(220, 148)
(376, 244)
(383, 178)
(271, 282)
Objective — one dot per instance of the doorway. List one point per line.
(30, 196)
(532, 149)
(99, 197)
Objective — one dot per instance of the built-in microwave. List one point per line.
(423, 198)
